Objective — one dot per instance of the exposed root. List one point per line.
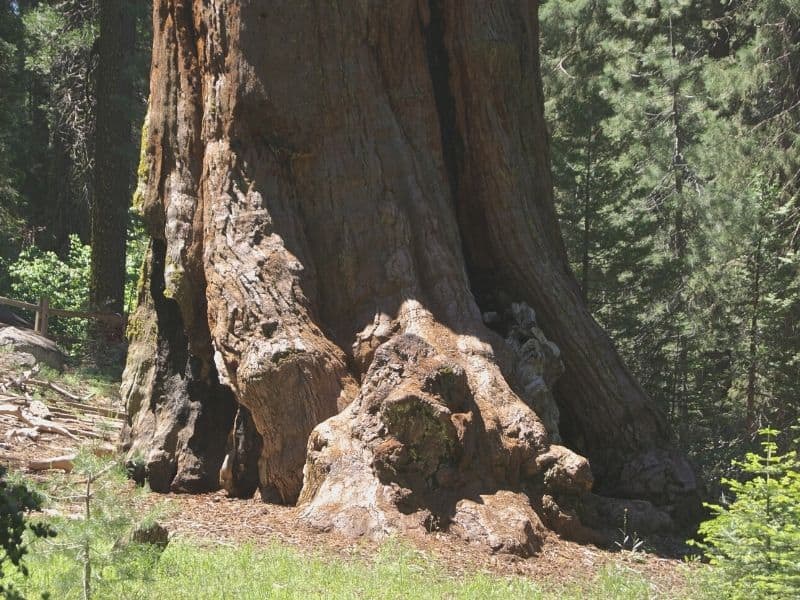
(431, 433)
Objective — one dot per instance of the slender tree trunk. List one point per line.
(587, 216)
(34, 184)
(680, 240)
(352, 216)
(67, 211)
(752, 369)
(112, 157)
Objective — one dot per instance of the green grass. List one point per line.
(83, 379)
(192, 571)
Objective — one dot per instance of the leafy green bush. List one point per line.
(16, 500)
(37, 273)
(754, 542)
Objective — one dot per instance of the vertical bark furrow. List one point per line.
(179, 435)
(439, 69)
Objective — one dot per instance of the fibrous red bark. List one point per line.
(356, 272)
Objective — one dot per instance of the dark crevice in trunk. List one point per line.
(483, 278)
(197, 400)
(172, 342)
(239, 473)
(439, 69)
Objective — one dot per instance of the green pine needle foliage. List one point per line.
(754, 543)
(101, 535)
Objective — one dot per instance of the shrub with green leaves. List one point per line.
(37, 273)
(754, 542)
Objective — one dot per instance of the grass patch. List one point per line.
(192, 571)
(101, 382)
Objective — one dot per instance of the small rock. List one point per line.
(38, 409)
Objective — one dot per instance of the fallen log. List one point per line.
(30, 433)
(46, 427)
(88, 434)
(19, 382)
(99, 410)
(65, 462)
(12, 398)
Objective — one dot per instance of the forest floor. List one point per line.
(86, 404)
(218, 518)
(214, 519)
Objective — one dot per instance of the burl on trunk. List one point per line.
(355, 274)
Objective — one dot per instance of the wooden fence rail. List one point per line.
(44, 312)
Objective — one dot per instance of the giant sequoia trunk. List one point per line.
(355, 261)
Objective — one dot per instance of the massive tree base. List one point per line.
(355, 275)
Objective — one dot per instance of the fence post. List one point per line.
(42, 316)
